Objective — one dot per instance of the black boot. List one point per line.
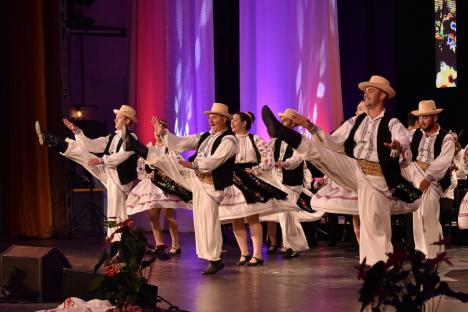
(213, 267)
(50, 140)
(277, 130)
(132, 144)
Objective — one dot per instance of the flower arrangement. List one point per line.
(408, 281)
(126, 268)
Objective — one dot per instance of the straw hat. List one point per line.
(290, 114)
(219, 109)
(378, 82)
(127, 111)
(426, 108)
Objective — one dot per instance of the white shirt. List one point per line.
(366, 137)
(98, 145)
(205, 162)
(247, 153)
(438, 166)
(292, 162)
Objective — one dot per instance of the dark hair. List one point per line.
(163, 123)
(248, 117)
(412, 119)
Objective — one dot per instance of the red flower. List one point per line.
(110, 270)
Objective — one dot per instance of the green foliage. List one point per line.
(123, 281)
(408, 281)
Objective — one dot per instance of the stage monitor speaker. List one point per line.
(33, 273)
(77, 284)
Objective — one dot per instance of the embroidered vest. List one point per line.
(390, 166)
(223, 176)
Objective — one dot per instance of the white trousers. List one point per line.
(373, 198)
(116, 193)
(208, 237)
(291, 229)
(206, 201)
(426, 226)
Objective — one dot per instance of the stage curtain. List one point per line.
(289, 57)
(171, 64)
(27, 206)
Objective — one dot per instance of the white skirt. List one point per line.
(301, 215)
(333, 198)
(463, 213)
(234, 206)
(145, 195)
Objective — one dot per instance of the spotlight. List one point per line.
(77, 113)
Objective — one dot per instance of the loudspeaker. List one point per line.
(77, 284)
(33, 273)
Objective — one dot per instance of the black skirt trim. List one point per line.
(170, 186)
(254, 189)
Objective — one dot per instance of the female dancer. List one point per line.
(256, 192)
(155, 192)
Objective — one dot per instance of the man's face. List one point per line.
(428, 123)
(120, 121)
(372, 97)
(217, 122)
(287, 122)
(361, 108)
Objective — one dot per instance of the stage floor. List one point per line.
(321, 279)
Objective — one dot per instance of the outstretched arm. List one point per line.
(173, 142)
(91, 145)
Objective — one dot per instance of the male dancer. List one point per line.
(116, 169)
(373, 143)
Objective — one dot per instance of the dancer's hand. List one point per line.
(303, 122)
(70, 125)
(321, 183)
(94, 162)
(395, 145)
(158, 126)
(252, 171)
(279, 164)
(424, 185)
(186, 164)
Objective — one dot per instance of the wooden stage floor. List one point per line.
(321, 279)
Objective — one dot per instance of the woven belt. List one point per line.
(205, 177)
(423, 165)
(370, 167)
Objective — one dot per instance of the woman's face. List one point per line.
(237, 125)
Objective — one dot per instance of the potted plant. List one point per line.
(126, 266)
(407, 281)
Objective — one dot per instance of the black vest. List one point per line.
(290, 177)
(126, 170)
(390, 166)
(417, 136)
(257, 152)
(223, 176)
